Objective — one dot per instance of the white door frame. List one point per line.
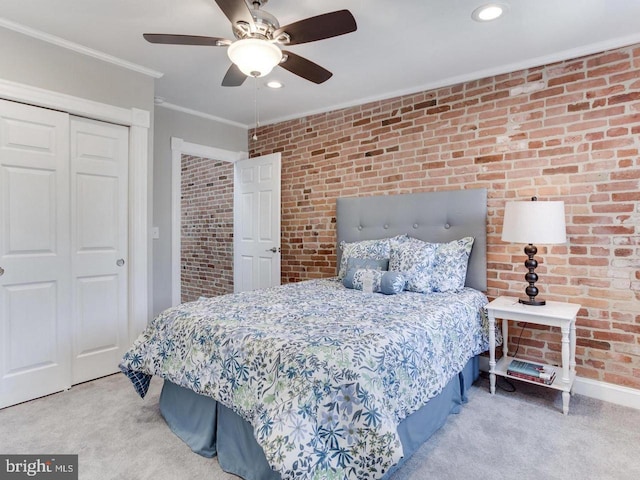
(178, 148)
(138, 121)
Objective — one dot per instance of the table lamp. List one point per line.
(533, 222)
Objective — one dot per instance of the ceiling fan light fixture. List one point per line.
(488, 12)
(254, 57)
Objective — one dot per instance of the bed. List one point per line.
(315, 380)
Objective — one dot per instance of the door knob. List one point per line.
(1, 271)
(273, 249)
(120, 262)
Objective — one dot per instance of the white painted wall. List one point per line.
(33, 62)
(203, 131)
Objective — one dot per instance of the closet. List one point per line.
(63, 250)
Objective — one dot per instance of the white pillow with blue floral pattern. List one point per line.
(373, 249)
(359, 276)
(414, 260)
(432, 267)
(396, 260)
(450, 265)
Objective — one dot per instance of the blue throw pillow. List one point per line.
(388, 283)
(347, 280)
(392, 283)
(354, 263)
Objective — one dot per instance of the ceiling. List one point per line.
(400, 47)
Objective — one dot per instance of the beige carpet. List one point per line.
(519, 435)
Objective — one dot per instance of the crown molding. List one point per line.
(178, 108)
(61, 42)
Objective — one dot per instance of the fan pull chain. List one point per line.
(255, 107)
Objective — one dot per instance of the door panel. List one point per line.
(244, 273)
(99, 165)
(27, 135)
(34, 253)
(98, 194)
(32, 314)
(265, 218)
(257, 223)
(31, 216)
(97, 307)
(246, 216)
(265, 270)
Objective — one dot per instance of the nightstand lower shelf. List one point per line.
(558, 383)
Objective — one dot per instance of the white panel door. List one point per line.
(99, 163)
(257, 223)
(34, 253)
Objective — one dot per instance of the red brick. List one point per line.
(609, 69)
(627, 97)
(615, 56)
(625, 120)
(560, 170)
(577, 107)
(489, 158)
(549, 92)
(598, 345)
(614, 337)
(571, 78)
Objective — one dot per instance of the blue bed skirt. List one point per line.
(209, 428)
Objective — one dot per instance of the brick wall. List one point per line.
(207, 228)
(567, 131)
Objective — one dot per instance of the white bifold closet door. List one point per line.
(35, 294)
(99, 164)
(63, 241)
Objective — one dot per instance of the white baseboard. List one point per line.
(608, 392)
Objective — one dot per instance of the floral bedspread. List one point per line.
(324, 374)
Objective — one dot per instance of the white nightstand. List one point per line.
(553, 314)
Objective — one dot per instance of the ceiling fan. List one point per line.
(259, 36)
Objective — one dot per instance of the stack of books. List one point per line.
(532, 371)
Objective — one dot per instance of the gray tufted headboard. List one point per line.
(430, 216)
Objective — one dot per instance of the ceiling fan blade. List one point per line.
(165, 38)
(236, 11)
(305, 68)
(234, 77)
(318, 28)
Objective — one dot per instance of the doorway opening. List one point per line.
(206, 252)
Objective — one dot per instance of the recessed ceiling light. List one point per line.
(274, 84)
(489, 12)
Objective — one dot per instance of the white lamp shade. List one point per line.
(254, 57)
(534, 222)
